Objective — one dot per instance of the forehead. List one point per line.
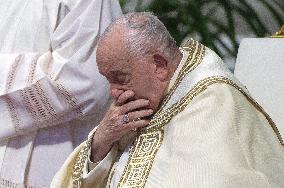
(114, 68)
(111, 62)
(113, 55)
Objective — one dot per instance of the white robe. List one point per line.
(48, 77)
(210, 133)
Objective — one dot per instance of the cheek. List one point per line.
(144, 89)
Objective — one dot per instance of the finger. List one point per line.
(124, 97)
(115, 93)
(134, 116)
(133, 125)
(133, 105)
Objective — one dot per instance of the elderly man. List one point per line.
(180, 119)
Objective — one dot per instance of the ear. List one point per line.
(162, 68)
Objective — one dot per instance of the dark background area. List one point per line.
(219, 24)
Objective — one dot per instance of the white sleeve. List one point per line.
(39, 90)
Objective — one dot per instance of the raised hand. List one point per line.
(123, 116)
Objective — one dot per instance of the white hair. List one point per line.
(146, 33)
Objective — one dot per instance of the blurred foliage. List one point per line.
(200, 18)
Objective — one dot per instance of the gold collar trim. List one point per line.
(147, 144)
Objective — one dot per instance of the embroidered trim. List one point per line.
(12, 73)
(215, 79)
(198, 88)
(38, 105)
(13, 113)
(9, 83)
(71, 100)
(196, 52)
(9, 184)
(79, 163)
(141, 158)
(137, 170)
(32, 69)
(147, 144)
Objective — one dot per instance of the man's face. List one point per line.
(128, 73)
(136, 76)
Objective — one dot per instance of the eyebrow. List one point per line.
(117, 72)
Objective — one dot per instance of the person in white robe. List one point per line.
(206, 130)
(48, 77)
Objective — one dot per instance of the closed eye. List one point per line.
(119, 77)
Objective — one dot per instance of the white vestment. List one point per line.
(48, 77)
(209, 132)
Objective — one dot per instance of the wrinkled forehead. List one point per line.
(112, 53)
(114, 64)
(110, 61)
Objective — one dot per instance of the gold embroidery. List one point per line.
(136, 172)
(279, 34)
(137, 169)
(203, 85)
(211, 80)
(141, 159)
(196, 53)
(147, 144)
(80, 161)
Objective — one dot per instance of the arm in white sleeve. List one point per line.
(39, 90)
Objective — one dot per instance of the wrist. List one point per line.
(100, 148)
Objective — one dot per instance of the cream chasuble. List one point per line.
(209, 132)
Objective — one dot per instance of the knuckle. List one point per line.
(144, 101)
(118, 102)
(129, 93)
(118, 111)
(114, 119)
(131, 115)
(144, 112)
